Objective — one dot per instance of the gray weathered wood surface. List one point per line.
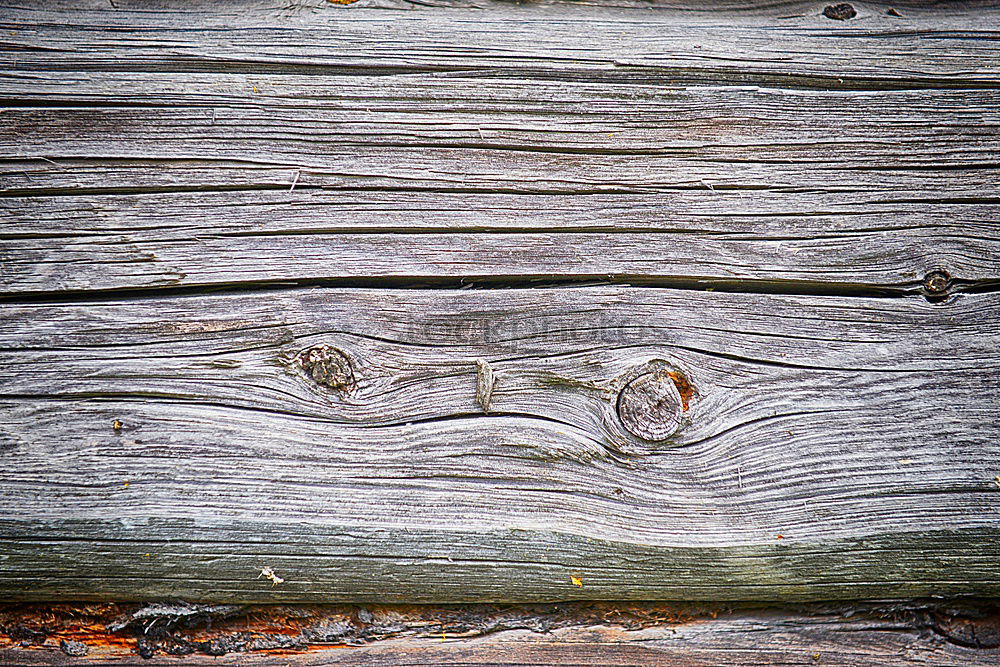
(637, 145)
(233, 338)
(853, 430)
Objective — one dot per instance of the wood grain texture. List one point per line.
(830, 447)
(235, 364)
(444, 144)
(612, 633)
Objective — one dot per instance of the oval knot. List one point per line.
(650, 405)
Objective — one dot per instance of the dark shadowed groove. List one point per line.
(752, 286)
(147, 189)
(979, 287)
(621, 73)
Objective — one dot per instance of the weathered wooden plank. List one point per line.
(822, 447)
(312, 119)
(461, 106)
(308, 235)
(566, 41)
(613, 633)
(903, 260)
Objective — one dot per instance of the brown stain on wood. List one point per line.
(684, 388)
(975, 630)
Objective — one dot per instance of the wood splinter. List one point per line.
(485, 381)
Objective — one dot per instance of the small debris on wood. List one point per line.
(116, 425)
(577, 581)
(892, 12)
(24, 635)
(73, 649)
(268, 573)
(840, 12)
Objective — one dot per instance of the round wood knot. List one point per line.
(936, 284)
(328, 366)
(650, 405)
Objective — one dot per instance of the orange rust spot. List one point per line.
(684, 388)
(341, 2)
(96, 637)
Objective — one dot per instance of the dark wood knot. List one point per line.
(328, 366)
(936, 284)
(840, 12)
(650, 405)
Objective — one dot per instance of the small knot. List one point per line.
(936, 285)
(650, 406)
(840, 12)
(328, 366)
